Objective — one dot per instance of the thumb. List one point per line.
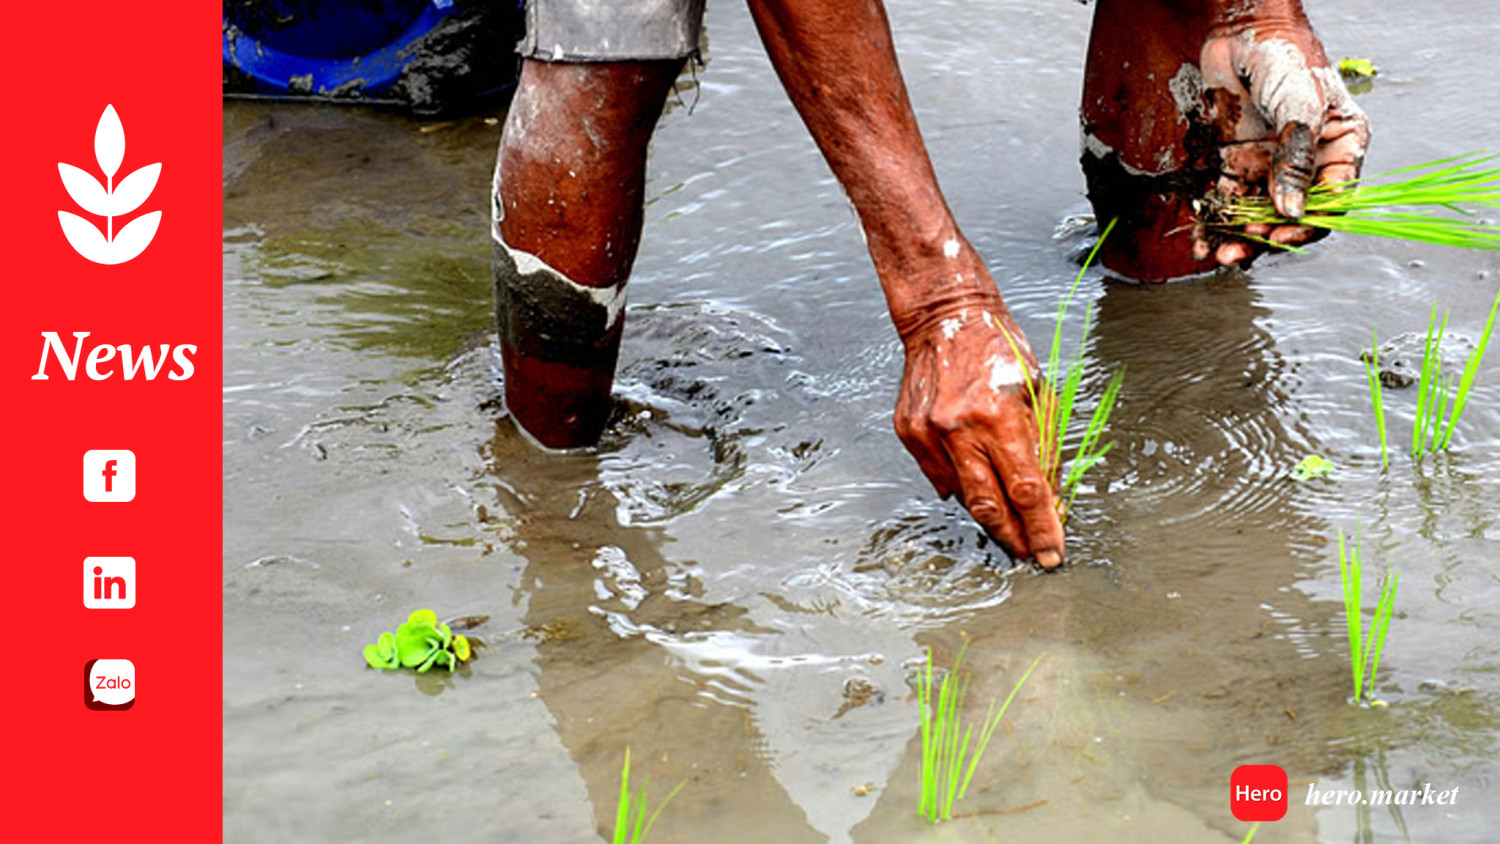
(1292, 169)
(1292, 98)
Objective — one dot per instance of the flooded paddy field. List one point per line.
(739, 582)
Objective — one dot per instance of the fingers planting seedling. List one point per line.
(1054, 405)
(631, 823)
(947, 767)
(1364, 651)
(420, 643)
(1441, 189)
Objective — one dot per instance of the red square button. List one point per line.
(1258, 793)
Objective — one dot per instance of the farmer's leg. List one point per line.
(567, 221)
(1141, 97)
(567, 200)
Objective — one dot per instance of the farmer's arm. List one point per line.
(963, 410)
(1236, 95)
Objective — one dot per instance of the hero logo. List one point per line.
(109, 200)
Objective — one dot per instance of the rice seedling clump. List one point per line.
(1442, 191)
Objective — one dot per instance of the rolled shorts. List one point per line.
(611, 30)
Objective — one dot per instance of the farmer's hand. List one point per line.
(965, 414)
(1286, 117)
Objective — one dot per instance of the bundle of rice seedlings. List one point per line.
(947, 766)
(1440, 400)
(1364, 651)
(631, 822)
(1369, 207)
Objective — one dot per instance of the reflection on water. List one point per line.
(739, 582)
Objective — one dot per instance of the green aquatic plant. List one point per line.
(1368, 207)
(420, 643)
(1311, 466)
(1440, 400)
(1250, 836)
(1377, 396)
(1054, 405)
(1364, 651)
(628, 831)
(947, 766)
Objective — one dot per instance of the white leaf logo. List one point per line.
(109, 200)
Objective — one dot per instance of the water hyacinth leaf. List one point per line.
(424, 617)
(416, 644)
(445, 634)
(1311, 466)
(461, 648)
(109, 141)
(383, 653)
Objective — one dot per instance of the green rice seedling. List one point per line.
(1471, 369)
(634, 831)
(1430, 387)
(1441, 400)
(1055, 399)
(1364, 651)
(1377, 396)
(947, 766)
(1369, 207)
(1250, 836)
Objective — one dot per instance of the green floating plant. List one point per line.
(628, 831)
(1364, 651)
(947, 766)
(1311, 466)
(420, 643)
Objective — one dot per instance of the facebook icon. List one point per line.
(109, 475)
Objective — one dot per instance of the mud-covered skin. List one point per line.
(1186, 97)
(566, 210)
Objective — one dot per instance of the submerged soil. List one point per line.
(739, 582)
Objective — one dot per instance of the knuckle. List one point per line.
(1030, 493)
(987, 511)
(947, 420)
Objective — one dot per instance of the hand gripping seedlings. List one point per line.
(1442, 190)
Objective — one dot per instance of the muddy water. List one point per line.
(737, 583)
